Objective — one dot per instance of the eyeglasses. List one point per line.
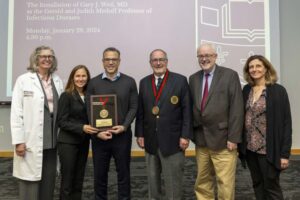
(207, 56)
(114, 60)
(44, 57)
(156, 60)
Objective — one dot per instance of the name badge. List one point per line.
(28, 93)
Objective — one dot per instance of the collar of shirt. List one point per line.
(117, 76)
(211, 74)
(46, 79)
(156, 78)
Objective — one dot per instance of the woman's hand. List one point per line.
(284, 163)
(20, 149)
(89, 129)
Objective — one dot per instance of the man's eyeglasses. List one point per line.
(44, 57)
(156, 60)
(207, 56)
(114, 60)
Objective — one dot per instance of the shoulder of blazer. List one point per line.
(223, 69)
(66, 95)
(146, 78)
(196, 74)
(177, 76)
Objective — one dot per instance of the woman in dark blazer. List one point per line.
(74, 135)
(267, 135)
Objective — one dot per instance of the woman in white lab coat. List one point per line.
(33, 128)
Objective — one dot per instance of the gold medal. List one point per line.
(155, 110)
(174, 100)
(104, 113)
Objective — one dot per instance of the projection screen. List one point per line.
(79, 31)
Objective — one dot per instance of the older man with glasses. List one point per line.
(218, 121)
(164, 126)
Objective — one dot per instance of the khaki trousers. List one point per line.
(215, 167)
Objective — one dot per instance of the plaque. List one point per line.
(104, 111)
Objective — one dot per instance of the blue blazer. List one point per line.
(174, 120)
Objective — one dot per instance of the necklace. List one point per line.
(257, 91)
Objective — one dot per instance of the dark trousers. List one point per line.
(171, 168)
(73, 158)
(119, 148)
(43, 189)
(265, 177)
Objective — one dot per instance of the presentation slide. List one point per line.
(79, 31)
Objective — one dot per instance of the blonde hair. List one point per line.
(33, 60)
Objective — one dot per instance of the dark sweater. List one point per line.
(127, 97)
(279, 124)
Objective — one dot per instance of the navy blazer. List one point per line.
(174, 120)
(72, 115)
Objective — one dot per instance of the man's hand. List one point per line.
(231, 146)
(184, 143)
(20, 149)
(89, 129)
(140, 142)
(284, 163)
(117, 129)
(104, 135)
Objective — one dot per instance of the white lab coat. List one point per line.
(27, 121)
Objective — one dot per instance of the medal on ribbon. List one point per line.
(103, 112)
(157, 94)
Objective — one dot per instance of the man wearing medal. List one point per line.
(164, 126)
(115, 141)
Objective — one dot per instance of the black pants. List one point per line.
(73, 158)
(265, 177)
(119, 148)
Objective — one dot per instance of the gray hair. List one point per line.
(210, 45)
(33, 60)
(166, 55)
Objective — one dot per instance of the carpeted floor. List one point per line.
(290, 181)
